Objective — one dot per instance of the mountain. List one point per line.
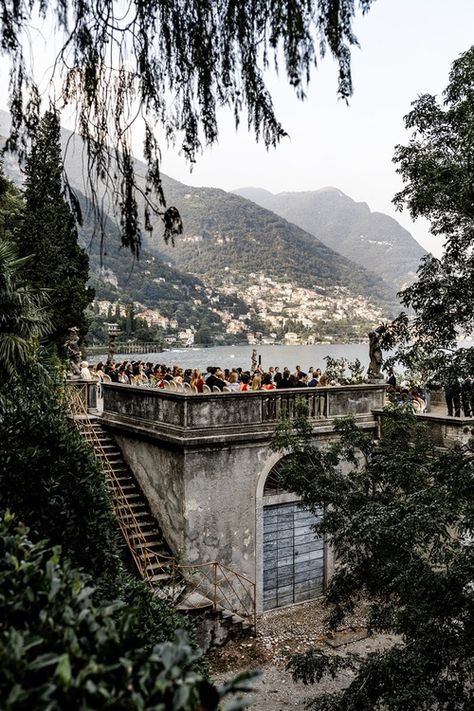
(253, 270)
(371, 239)
(226, 234)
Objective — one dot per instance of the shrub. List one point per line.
(60, 650)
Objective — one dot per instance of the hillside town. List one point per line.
(276, 312)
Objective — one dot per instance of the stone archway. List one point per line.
(290, 558)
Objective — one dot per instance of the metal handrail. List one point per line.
(145, 559)
(125, 515)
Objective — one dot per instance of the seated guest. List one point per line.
(267, 382)
(256, 381)
(285, 382)
(99, 369)
(419, 405)
(215, 379)
(244, 382)
(197, 381)
(233, 382)
(178, 375)
(277, 378)
(166, 373)
(112, 370)
(301, 380)
(122, 375)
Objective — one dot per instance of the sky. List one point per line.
(406, 49)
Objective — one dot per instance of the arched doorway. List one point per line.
(293, 557)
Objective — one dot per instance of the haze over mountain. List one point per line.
(371, 239)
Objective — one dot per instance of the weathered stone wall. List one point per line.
(160, 473)
(202, 461)
(220, 490)
(449, 430)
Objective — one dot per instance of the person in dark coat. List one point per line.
(467, 393)
(212, 380)
(452, 393)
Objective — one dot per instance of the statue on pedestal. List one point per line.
(254, 360)
(73, 353)
(376, 359)
(111, 353)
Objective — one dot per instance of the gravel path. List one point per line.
(282, 633)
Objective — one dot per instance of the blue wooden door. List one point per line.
(293, 556)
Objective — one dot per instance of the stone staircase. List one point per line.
(147, 545)
(131, 509)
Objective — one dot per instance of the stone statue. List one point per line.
(111, 354)
(375, 354)
(73, 353)
(254, 360)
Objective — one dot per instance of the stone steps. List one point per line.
(148, 544)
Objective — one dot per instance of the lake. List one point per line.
(240, 356)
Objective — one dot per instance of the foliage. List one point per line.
(438, 173)
(50, 478)
(50, 233)
(53, 483)
(24, 318)
(344, 371)
(59, 649)
(173, 64)
(11, 208)
(399, 515)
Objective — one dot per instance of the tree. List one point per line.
(61, 650)
(399, 513)
(174, 64)
(203, 335)
(24, 318)
(437, 167)
(49, 231)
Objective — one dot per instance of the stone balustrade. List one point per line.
(217, 415)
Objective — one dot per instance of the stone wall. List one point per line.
(202, 461)
(160, 473)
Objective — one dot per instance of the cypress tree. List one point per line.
(50, 233)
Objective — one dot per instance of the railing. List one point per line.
(183, 414)
(223, 587)
(283, 404)
(149, 347)
(127, 521)
(226, 589)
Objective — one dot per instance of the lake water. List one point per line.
(240, 356)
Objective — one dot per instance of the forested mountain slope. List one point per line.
(371, 239)
(224, 233)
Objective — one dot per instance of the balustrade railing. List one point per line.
(219, 411)
(282, 404)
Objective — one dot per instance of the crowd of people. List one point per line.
(459, 393)
(214, 378)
